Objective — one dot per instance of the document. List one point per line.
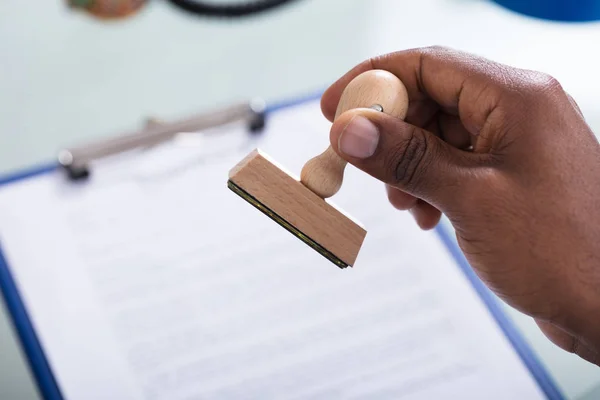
(151, 280)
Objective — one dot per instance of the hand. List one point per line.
(507, 156)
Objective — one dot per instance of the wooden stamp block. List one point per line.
(281, 196)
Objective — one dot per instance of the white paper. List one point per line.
(154, 281)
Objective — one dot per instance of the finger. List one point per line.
(452, 131)
(568, 342)
(421, 113)
(426, 215)
(460, 83)
(399, 199)
(402, 155)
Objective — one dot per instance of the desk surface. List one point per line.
(65, 79)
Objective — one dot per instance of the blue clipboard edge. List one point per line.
(30, 344)
(49, 389)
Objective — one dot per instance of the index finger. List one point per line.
(460, 83)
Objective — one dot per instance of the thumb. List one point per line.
(404, 156)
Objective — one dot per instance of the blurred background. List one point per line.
(67, 76)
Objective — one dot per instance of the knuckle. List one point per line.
(436, 49)
(535, 84)
(532, 95)
(408, 159)
(436, 52)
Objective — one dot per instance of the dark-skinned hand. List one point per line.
(506, 155)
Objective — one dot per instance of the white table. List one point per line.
(65, 78)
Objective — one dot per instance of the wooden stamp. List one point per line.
(299, 205)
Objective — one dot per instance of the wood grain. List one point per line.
(324, 173)
(284, 194)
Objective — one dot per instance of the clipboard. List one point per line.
(75, 163)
